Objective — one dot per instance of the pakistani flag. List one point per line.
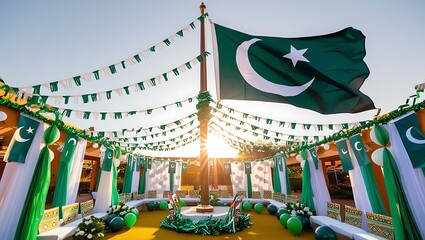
(172, 167)
(22, 139)
(321, 73)
(107, 161)
(313, 154)
(344, 155)
(184, 167)
(413, 139)
(356, 144)
(227, 168)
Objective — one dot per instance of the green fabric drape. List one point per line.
(142, 185)
(288, 185)
(171, 182)
(99, 173)
(115, 197)
(34, 205)
(276, 176)
(249, 183)
(128, 175)
(307, 189)
(372, 189)
(61, 188)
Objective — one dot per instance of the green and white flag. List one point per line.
(227, 168)
(184, 167)
(247, 167)
(22, 139)
(313, 154)
(413, 139)
(357, 145)
(107, 161)
(172, 167)
(344, 155)
(320, 73)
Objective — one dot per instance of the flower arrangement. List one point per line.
(120, 209)
(93, 228)
(299, 209)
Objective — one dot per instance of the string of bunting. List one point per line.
(87, 115)
(127, 90)
(115, 67)
(178, 144)
(229, 134)
(231, 142)
(291, 125)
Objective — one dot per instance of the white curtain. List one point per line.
(14, 186)
(413, 180)
(76, 169)
(238, 177)
(104, 191)
(282, 175)
(361, 199)
(158, 178)
(318, 184)
(178, 176)
(136, 175)
(261, 176)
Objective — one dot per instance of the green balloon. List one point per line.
(150, 206)
(304, 220)
(110, 217)
(272, 209)
(284, 219)
(116, 224)
(258, 208)
(163, 205)
(295, 226)
(130, 219)
(324, 233)
(135, 211)
(280, 212)
(246, 206)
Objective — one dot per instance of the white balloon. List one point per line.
(373, 136)
(378, 157)
(95, 145)
(299, 158)
(326, 146)
(3, 116)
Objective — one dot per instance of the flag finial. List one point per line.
(202, 7)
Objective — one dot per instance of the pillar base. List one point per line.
(204, 208)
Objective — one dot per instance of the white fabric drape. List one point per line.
(238, 177)
(318, 184)
(76, 169)
(413, 179)
(14, 186)
(177, 176)
(104, 191)
(361, 199)
(158, 178)
(282, 175)
(136, 177)
(261, 176)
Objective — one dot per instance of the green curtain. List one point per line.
(115, 197)
(34, 205)
(288, 185)
(171, 183)
(276, 177)
(404, 223)
(249, 183)
(307, 189)
(142, 184)
(372, 189)
(61, 188)
(128, 175)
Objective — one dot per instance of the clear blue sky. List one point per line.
(45, 41)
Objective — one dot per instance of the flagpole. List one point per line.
(203, 157)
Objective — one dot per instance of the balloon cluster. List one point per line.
(121, 215)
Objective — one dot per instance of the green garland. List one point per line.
(207, 226)
(203, 106)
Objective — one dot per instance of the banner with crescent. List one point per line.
(22, 139)
(107, 160)
(184, 167)
(359, 151)
(412, 137)
(320, 73)
(344, 155)
(171, 167)
(69, 147)
(247, 167)
(227, 168)
(313, 154)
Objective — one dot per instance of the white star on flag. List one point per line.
(30, 130)
(296, 55)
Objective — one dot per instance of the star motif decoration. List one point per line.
(30, 130)
(296, 55)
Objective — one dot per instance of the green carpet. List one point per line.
(265, 226)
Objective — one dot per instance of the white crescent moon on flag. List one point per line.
(109, 155)
(313, 154)
(356, 146)
(344, 151)
(260, 83)
(72, 140)
(413, 139)
(18, 137)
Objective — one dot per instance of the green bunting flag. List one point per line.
(344, 155)
(227, 168)
(22, 139)
(413, 139)
(321, 73)
(356, 144)
(108, 159)
(184, 167)
(247, 167)
(171, 167)
(313, 154)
